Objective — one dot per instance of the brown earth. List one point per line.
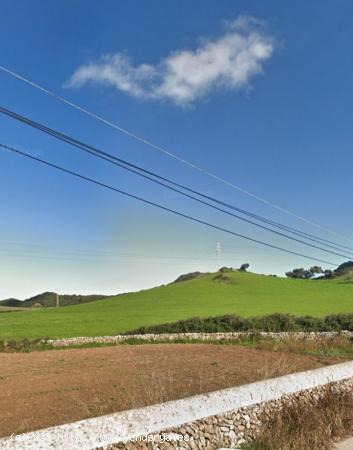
(42, 389)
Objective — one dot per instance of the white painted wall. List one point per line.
(121, 427)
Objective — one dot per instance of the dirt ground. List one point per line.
(42, 389)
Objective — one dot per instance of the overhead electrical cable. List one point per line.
(69, 255)
(169, 261)
(122, 164)
(159, 206)
(167, 152)
(76, 143)
(14, 246)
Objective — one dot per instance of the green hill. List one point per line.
(48, 299)
(11, 303)
(244, 294)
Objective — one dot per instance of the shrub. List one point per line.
(270, 323)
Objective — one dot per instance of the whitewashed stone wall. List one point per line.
(228, 430)
(167, 337)
(202, 422)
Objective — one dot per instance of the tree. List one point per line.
(344, 268)
(328, 273)
(243, 267)
(300, 273)
(316, 270)
(305, 274)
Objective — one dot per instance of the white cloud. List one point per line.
(184, 76)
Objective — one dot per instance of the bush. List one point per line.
(275, 322)
(25, 345)
(270, 323)
(337, 322)
(308, 323)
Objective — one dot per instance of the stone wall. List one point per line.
(202, 422)
(225, 430)
(167, 337)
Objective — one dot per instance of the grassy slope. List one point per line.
(247, 294)
(10, 308)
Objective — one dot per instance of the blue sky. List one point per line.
(259, 93)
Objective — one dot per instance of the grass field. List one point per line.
(4, 309)
(245, 294)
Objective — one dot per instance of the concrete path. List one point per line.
(345, 445)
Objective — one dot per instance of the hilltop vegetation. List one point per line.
(48, 299)
(207, 295)
(344, 271)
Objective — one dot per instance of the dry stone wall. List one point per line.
(228, 430)
(167, 337)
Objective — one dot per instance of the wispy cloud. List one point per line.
(185, 76)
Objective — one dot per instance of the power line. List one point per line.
(107, 157)
(167, 152)
(170, 262)
(133, 257)
(131, 168)
(12, 247)
(90, 149)
(17, 248)
(38, 249)
(157, 205)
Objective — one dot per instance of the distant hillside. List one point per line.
(48, 299)
(12, 302)
(343, 273)
(208, 295)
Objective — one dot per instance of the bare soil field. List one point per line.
(46, 388)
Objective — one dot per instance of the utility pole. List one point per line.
(57, 300)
